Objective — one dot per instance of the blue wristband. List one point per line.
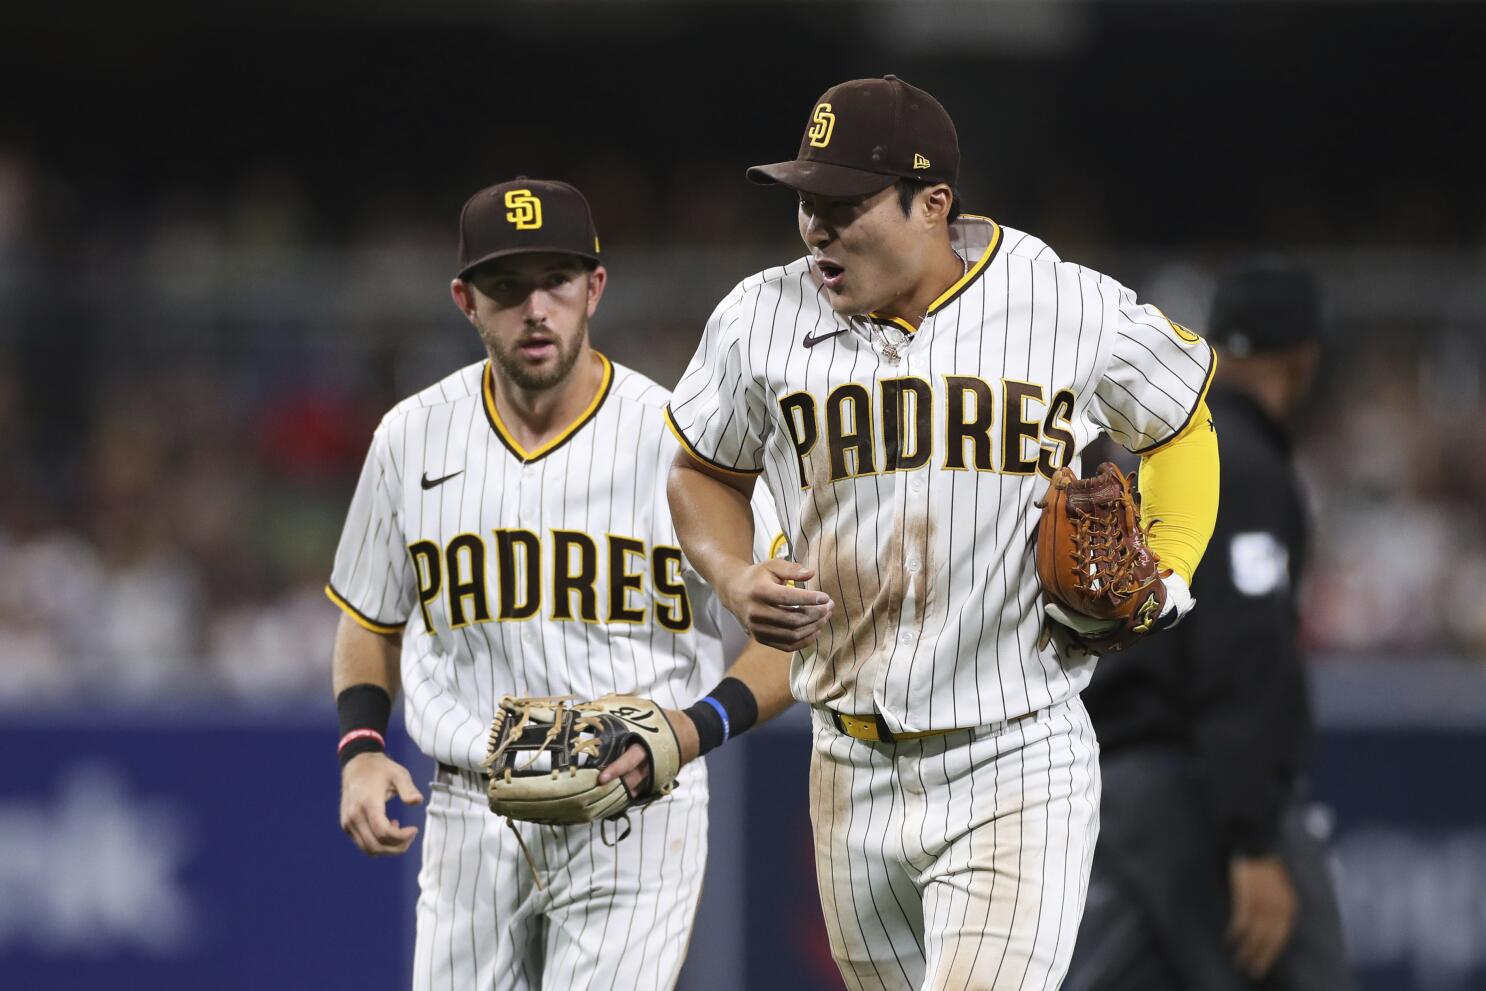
(725, 712)
(726, 726)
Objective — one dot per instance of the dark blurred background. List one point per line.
(226, 235)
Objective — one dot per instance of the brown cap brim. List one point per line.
(821, 178)
(534, 250)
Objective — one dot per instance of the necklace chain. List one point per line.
(890, 347)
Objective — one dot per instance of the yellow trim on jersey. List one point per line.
(686, 444)
(361, 620)
(1192, 418)
(898, 321)
(777, 546)
(971, 274)
(488, 390)
(1179, 495)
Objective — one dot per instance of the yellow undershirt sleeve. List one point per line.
(1179, 494)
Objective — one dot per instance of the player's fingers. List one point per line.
(632, 758)
(634, 781)
(406, 790)
(403, 838)
(778, 639)
(790, 597)
(789, 571)
(809, 632)
(384, 834)
(356, 828)
(789, 619)
(395, 842)
(785, 640)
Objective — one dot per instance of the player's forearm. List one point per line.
(1179, 495)
(362, 657)
(364, 676)
(755, 690)
(765, 672)
(713, 519)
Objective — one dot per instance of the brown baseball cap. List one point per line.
(525, 215)
(865, 135)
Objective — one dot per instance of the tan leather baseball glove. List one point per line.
(1105, 585)
(545, 756)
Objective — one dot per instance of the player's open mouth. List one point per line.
(537, 348)
(831, 274)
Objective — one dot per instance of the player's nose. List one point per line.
(538, 302)
(817, 234)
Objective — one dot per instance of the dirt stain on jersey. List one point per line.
(864, 567)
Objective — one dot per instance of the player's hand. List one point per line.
(368, 782)
(774, 612)
(1264, 908)
(634, 764)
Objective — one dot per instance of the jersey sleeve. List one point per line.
(718, 411)
(372, 579)
(1156, 376)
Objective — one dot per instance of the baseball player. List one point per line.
(508, 536)
(904, 391)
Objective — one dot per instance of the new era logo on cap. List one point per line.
(920, 162)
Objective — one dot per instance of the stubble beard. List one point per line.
(523, 376)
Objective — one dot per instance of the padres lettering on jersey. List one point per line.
(515, 572)
(614, 584)
(905, 463)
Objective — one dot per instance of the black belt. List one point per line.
(474, 780)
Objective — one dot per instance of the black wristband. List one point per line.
(727, 711)
(364, 711)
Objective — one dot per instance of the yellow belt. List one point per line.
(874, 729)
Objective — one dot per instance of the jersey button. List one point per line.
(917, 484)
(913, 566)
(906, 637)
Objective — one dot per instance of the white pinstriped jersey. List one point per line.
(547, 572)
(905, 465)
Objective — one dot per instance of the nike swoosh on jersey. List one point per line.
(810, 341)
(429, 483)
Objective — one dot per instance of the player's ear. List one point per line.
(936, 202)
(597, 279)
(464, 297)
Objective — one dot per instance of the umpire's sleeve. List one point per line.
(1250, 720)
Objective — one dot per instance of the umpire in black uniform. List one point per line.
(1205, 876)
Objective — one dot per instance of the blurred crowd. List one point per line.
(186, 395)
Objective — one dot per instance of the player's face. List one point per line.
(865, 249)
(532, 314)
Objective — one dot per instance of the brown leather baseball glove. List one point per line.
(1105, 585)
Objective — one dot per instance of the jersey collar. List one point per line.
(487, 390)
(953, 292)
